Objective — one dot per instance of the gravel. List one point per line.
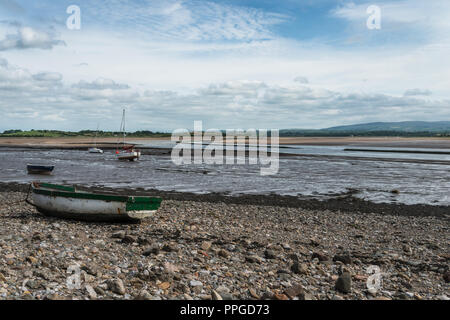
(220, 250)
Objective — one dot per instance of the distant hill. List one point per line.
(405, 126)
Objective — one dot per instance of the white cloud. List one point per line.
(28, 38)
(417, 92)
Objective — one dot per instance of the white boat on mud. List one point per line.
(67, 202)
(95, 150)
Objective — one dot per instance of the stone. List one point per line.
(320, 256)
(270, 254)
(299, 268)
(116, 286)
(128, 239)
(344, 283)
(91, 292)
(253, 259)
(144, 295)
(224, 253)
(118, 235)
(253, 293)
(447, 276)
(206, 245)
(280, 296)
(153, 250)
(195, 283)
(164, 285)
(295, 291)
(344, 258)
(215, 295)
(170, 247)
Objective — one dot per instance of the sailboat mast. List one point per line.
(123, 126)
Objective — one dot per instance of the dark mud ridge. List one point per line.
(342, 203)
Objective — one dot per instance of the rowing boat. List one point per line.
(39, 169)
(68, 202)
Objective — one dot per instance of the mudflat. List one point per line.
(400, 142)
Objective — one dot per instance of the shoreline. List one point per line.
(338, 203)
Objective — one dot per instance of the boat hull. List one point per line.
(95, 150)
(37, 169)
(91, 207)
(129, 156)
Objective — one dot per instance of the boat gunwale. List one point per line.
(91, 196)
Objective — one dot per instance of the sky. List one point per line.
(231, 64)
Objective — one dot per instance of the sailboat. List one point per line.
(94, 149)
(127, 152)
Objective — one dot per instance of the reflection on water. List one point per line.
(305, 176)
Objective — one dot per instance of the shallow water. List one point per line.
(321, 177)
(316, 176)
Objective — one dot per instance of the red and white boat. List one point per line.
(128, 153)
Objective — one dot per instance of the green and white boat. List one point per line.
(67, 202)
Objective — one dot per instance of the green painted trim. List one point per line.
(56, 187)
(143, 203)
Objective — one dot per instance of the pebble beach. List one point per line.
(201, 250)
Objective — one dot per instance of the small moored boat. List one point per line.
(128, 153)
(39, 169)
(95, 150)
(70, 203)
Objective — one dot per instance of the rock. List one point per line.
(295, 291)
(253, 259)
(144, 295)
(32, 260)
(320, 256)
(344, 283)
(344, 258)
(270, 254)
(253, 293)
(195, 283)
(215, 295)
(91, 292)
(299, 268)
(170, 247)
(224, 253)
(118, 235)
(206, 245)
(447, 277)
(293, 257)
(222, 290)
(164, 285)
(128, 239)
(116, 286)
(280, 296)
(153, 250)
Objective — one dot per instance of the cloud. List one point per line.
(301, 80)
(29, 38)
(53, 117)
(417, 92)
(187, 21)
(100, 84)
(401, 21)
(48, 76)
